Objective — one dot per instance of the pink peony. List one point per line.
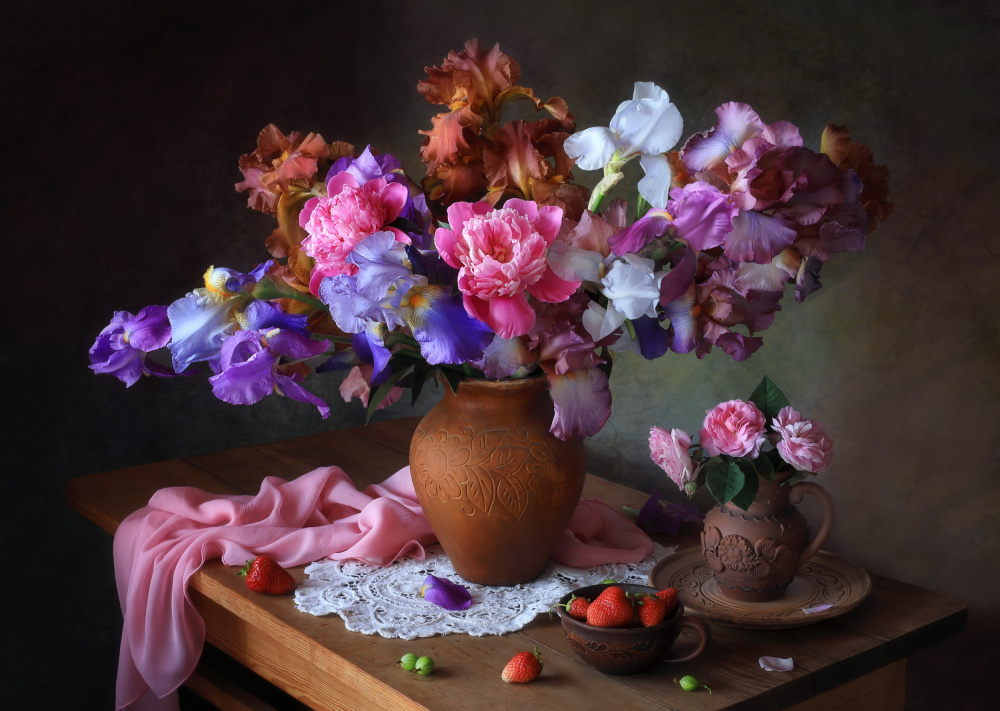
(735, 428)
(670, 452)
(344, 217)
(804, 444)
(502, 255)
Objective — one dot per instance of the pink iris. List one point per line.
(502, 256)
(344, 217)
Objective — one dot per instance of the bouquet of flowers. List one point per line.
(497, 264)
(742, 442)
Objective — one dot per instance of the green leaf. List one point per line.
(795, 478)
(421, 371)
(751, 484)
(764, 466)
(267, 289)
(768, 399)
(724, 480)
(641, 207)
(453, 378)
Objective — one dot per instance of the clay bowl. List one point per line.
(628, 650)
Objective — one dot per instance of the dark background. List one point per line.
(123, 123)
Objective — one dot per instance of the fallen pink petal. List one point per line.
(445, 593)
(776, 664)
(816, 609)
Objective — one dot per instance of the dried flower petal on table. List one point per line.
(445, 593)
(776, 664)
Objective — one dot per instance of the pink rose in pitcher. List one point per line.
(804, 444)
(669, 449)
(735, 428)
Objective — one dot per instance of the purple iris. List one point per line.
(122, 348)
(387, 293)
(202, 320)
(582, 402)
(445, 593)
(251, 361)
(698, 213)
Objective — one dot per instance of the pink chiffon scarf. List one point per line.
(319, 515)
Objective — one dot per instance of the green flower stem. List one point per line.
(596, 200)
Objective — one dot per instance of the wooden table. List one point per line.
(857, 659)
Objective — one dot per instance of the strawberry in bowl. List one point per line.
(628, 628)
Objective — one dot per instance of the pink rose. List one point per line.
(670, 452)
(804, 444)
(344, 217)
(735, 428)
(502, 256)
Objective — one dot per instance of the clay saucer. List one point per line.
(827, 579)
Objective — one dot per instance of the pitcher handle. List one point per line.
(826, 501)
(698, 625)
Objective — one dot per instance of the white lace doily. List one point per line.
(386, 600)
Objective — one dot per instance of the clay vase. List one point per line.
(755, 554)
(496, 486)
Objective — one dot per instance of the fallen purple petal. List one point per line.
(445, 593)
(659, 515)
(776, 664)
(816, 609)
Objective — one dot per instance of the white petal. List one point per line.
(816, 609)
(600, 322)
(647, 126)
(648, 90)
(591, 148)
(655, 186)
(633, 289)
(776, 664)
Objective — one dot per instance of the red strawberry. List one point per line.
(669, 596)
(525, 666)
(612, 608)
(265, 576)
(652, 611)
(577, 607)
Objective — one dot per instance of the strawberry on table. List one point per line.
(524, 667)
(264, 575)
(612, 608)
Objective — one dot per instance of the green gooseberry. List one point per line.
(425, 666)
(689, 683)
(408, 661)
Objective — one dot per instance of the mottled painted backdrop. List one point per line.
(123, 125)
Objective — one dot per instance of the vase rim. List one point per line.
(529, 383)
